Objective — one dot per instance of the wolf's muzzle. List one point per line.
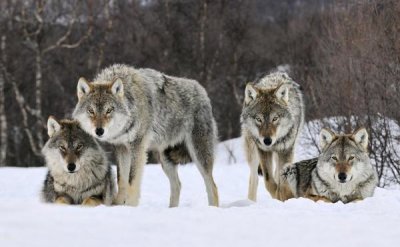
(342, 177)
(71, 167)
(267, 141)
(99, 132)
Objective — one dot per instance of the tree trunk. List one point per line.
(38, 97)
(3, 117)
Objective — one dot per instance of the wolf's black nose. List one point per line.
(267, 141)
(99, 131)
(342, 177)
(71, 167)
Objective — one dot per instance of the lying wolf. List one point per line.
(139, 110)
(342, 172)
(272, 118)
(78, 169)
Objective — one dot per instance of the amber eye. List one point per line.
(258, 119)
(90, 111)
(351, 158)
(109, 110)
(275, 119)
(334, 158)
(62, 149)
(79, 147)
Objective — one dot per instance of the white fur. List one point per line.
(361, 137)
(326, 137)
(250, 93)
(52, 126)
(282, 93)
(118, 87)
(83, 87)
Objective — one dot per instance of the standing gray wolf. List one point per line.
(271, 119)
(78, 169)
(140, 110)
(342, 172)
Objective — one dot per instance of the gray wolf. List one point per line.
(342, 172)
(271, 119)
(78, 169)
(140, 110)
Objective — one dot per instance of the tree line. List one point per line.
(345, 55)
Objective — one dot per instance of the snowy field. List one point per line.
(25, 221)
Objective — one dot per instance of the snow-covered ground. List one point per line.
(25, 221)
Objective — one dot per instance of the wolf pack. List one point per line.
(143, 110)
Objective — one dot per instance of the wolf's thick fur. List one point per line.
(139, 110)
(78, 169)
(271, 119)
(342, 172)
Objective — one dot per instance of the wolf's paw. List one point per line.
(119, 200)
(62, 200)
(91, 202)
(132, 201)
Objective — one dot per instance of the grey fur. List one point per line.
(93, 177)
(274, 96)
(318, 177)
(155, 112)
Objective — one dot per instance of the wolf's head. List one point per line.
(101, 109)
(69, 147)
(344, 157)
(265, 113)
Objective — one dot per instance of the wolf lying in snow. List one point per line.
(342, 172)
(78, 169)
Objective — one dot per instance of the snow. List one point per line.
(25, 221)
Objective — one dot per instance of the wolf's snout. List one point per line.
(71, 167)
(267, 141)
(342, 177)
(99, 131)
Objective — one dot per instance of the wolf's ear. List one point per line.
(326, 137)
(360, 136)
(117, 87)
(52, 126)
(282, 93)
(83, 87)
(250, 93)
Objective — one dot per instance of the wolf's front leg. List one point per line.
(92, 202)
(283, 192)
(267, 170)
(254, 162)
(123, 153)
(65, 200)
(138, 160)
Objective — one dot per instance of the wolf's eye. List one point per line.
(79, 147)
(90, 111)
(258, 119)
(275, 119)
(334, 158)
(109, 110)
(62, 149)
(351, 158)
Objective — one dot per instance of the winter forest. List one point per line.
(344, 54)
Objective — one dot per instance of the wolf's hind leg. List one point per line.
(171, 170)
(123, 169)
(254, 162)
(201, 149)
